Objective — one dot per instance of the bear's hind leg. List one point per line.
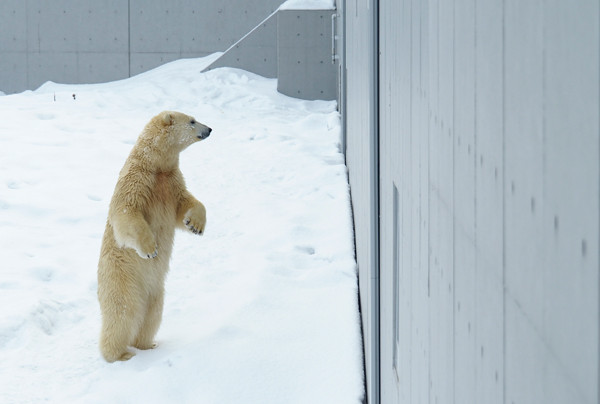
(118, 330)
(114, 340)
(151, 323)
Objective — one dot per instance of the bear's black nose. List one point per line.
(204, 133)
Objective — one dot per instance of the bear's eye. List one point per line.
(193, 122)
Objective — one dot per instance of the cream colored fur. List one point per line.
(150, 200)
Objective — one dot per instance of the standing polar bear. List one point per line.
(149, 201)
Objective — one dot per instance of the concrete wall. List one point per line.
(361, 117)
(294, 46)
(304, 54)
(255, 52)
(92, 41)
(489, 197)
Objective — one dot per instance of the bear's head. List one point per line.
(172, 131)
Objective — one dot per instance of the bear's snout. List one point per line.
(205, 133)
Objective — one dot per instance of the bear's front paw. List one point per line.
(195, 220)
(146, 254)
(148, 248)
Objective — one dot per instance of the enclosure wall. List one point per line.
(360, 115)
(488, 155)
(89, 41)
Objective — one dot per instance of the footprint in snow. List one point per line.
(305, 249)
(45, 116)
(46, 315)
(50, 314)
(44, 274)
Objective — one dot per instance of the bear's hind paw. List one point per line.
(126, 356)
(144, 347)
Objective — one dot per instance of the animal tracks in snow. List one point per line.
(305, 249)
(44, 116)
(50, 314)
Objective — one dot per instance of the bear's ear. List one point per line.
(167, 118)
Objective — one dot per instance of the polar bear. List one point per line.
(149, 201)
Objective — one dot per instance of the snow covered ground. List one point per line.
(261, 309)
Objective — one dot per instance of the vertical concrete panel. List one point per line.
(523, 171)
(442, 218)
(102, 41)
(13, 45)
(395, 206)
(13, 66)
(162, 31)
(50, 29)
(157, 26)
(361, 158)
(340, 53)
(103, 27)
(13, 35)
(420, 134)
(464, 200)
(489, 219)
(415, 95)
(304, 67)
(571, 201)
(406, 387)
(440, 330)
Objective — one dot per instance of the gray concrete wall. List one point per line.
(255, 52)
(305, 68)
(92, 41)
(294, 46)
(61, 41)
(489, 197)
(361, 116)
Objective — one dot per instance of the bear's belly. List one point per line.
(162, 213)
(162, 224)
